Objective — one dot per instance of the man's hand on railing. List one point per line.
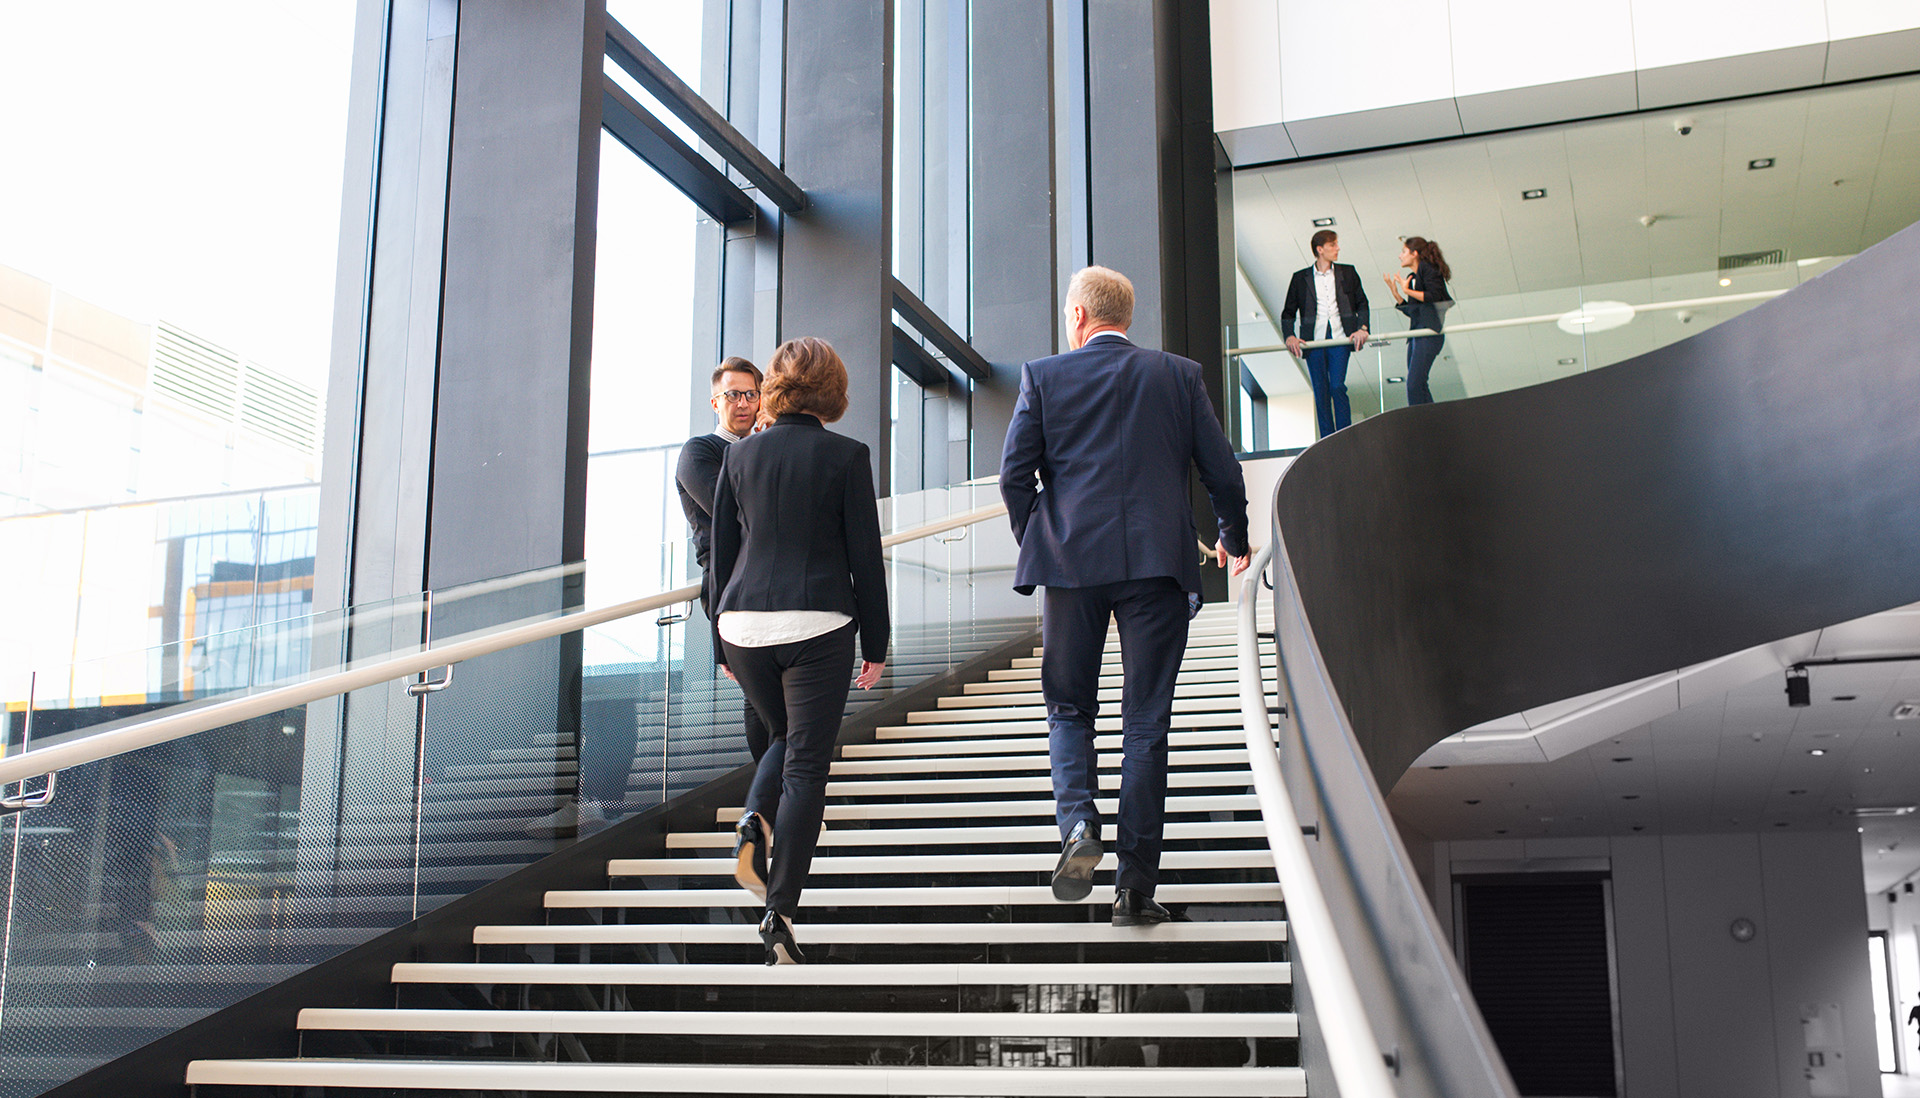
(1360, 339)
(1293, 346)
(1239, 563)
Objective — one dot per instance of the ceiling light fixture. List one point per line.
(1323, 222)
(1757, 165)
(1530, 195)
(1568, 361)
(1907, 711)
(1799, 688)
(1595, 316)
(1396, 381)
(1816, 752)
(1726, 282)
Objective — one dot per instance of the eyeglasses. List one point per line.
(741, 396)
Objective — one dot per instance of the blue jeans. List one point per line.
(1327, 370)
(1421, 351)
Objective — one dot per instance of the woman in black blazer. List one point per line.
(1423, 296)
(797, 564)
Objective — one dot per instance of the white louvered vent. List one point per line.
(195, 372)
(279, 408)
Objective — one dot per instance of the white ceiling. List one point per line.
(1846, 174)
(1737, 762)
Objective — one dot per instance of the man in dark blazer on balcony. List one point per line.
(1330, 303)
(1095, 476)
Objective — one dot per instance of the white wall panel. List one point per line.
(1501, 44)
(1678, 32)
(1246, 63)
(1362, 55)
(1854, 18)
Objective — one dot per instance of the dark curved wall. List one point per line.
(1460, 562)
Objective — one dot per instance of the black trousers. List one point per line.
(800, 690)
(1152, 616)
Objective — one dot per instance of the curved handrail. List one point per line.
(1359, 1064)
(1421, 1013)
(195, 717)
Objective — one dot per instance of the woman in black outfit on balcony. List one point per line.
(1423, 296)
(796, 562)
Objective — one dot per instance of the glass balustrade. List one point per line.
(165, 883)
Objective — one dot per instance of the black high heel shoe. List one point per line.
(750, 855)
(778, 936)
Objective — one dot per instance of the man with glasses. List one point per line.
(736, 400)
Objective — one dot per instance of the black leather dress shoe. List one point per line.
(750, 855)
(1132, 907)
(1073, 876)
(777, 936)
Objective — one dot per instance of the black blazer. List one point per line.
(1095, 468)
(694, 479)
(1432, 312)
(1302, 301)
(795, 527)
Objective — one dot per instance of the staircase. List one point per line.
(940, 963)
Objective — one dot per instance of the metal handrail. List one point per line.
(1510, 322)
(1358, 1062)
(193, 718)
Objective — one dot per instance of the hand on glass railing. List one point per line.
(869, 674)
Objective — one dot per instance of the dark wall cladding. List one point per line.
(1460, 562)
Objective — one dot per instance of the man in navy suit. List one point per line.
(1096, 483)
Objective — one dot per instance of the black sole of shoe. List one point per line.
(1136, 920)
(1073, 877)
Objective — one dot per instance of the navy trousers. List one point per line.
(1152, 619)
(801, 690)
(1421, 351)
(1327, 373)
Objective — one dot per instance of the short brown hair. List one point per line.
(805, 375)
(1104, 293)
(734, 364)
(1321, 239)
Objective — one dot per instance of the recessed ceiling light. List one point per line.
(1629, 796)
(1726, 282)
(1796, 792)
(1885, 811)
(1323, 222)
(1530, 195)
(1623, 759)
(1396, 381)
(1757, 165)
(1846, 697)
(1780, 823)
(1817, 752)
(1907, 711)
(1476, 800)
(1568, 361)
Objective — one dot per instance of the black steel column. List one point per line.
(839, 148)
(1015, 299)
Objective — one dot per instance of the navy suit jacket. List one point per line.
(1108, 432)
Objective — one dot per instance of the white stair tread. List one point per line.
(997, 693)
(913, 975)
(1037, 783)
(922, 896)
(975, 764)
(1016, 833)
(1037, 745)
(1223, 930)
(969, 810)
(921, 864)
(801, 1023)
(1038, 709)
(495, 1075)
(1038, 726)
(1111, 664)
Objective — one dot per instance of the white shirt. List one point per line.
(766, 628)
(1326, 313)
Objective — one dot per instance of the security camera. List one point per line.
(1685, 316)
(1683, 125)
